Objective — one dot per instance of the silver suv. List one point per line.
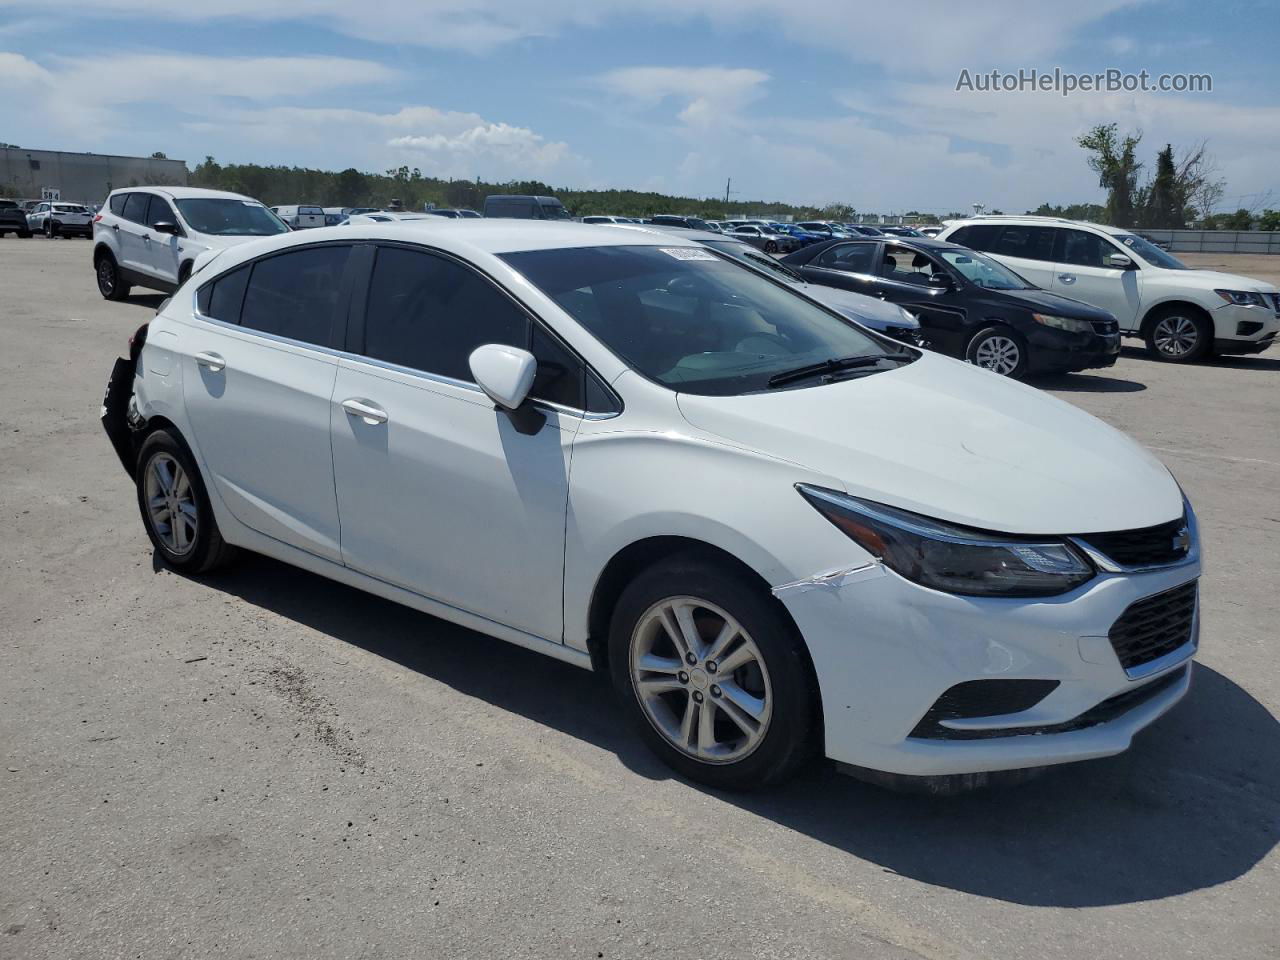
(151, 236)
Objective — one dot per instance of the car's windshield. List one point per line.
(1149, 252)
(228, 217)
(983, 271)
(554, 211)
(691, 320)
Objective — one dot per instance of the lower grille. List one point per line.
(1162, 544)
(982, 698)
(1104, 712)
(1154, 626)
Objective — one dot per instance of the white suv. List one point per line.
(1181, 313)
(778, 531)
(151, 236)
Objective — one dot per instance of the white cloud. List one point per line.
(708, 95)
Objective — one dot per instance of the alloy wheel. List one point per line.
(999, 354)
(1176, 336)
(700, 679)
(106, 277)
(171, 504)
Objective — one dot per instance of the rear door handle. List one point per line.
(1067, 277)
(214, 362)
(365, 410)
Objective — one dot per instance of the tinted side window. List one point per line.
(1084, 249)
(160, 210)
(135, 207)
(1029, 243)
(976, 237)
(428, 312)
(223, 297)
(117, 204)
(560, 373)
(850, 257)
(295, 294)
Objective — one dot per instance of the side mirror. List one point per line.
(165, 226)
(504, 373)
(1118, 260)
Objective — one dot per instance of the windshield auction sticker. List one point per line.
(688, 253)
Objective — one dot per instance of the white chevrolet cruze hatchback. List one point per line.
(780, 533)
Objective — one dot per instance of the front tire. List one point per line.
(713, 675)
(771, 247)
(1179, 336)
(110, 284)
(1000, 350)
(175, 507)
(50, 229)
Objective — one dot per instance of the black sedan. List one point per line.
(969, 305)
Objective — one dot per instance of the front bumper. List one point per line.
(1057, 351)
(885, 650)
(1241, 330)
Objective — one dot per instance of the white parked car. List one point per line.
(779, 532)
(151, 236)
(55, 219)
(302, 216)
(1182, 314)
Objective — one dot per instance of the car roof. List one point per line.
(187, 193)
(1032, 220)
(470, 238)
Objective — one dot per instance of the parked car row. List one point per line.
(779, 532)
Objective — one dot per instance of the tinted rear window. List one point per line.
(295, 294)
(222, 298)
(117, 204)
(135, 208)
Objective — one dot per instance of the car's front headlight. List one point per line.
(1070, 324)
(952, 558)
(1241, 298)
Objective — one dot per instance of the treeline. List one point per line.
(354, 188)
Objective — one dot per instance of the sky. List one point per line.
(807, 102)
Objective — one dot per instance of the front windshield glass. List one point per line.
(228, 217)
(1149, 252)
(691, 320)
(554, 211)
(983, 271)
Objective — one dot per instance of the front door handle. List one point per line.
(365, 410)
(1067, 277)
(214, 362)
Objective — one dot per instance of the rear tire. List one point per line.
(110, 284)
(175, 507)
(50, 229)
(1179, 335)
(24, 234)
(999, 349)
(741, 714)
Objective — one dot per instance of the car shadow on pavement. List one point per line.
(1086, 383)
(151, 301)
(1233, 362)
(1194, 803)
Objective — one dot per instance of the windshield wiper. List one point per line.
(832, 365)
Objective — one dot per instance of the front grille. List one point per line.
(1105, 327)
(982, 698)
(1146, 547)
(1154, 626)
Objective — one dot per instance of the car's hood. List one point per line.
(957, 443)
(1042, 301)
(871, 311)
(215, 241)
(1213, 280)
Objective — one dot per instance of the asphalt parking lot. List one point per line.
(267, 764)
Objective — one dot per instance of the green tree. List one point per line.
(1162, 200)
(1270, 220)
(1115, 161)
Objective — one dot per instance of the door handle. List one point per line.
(365, 410)
(214, 362)
(1067, 277)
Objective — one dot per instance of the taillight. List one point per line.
(97, 218)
